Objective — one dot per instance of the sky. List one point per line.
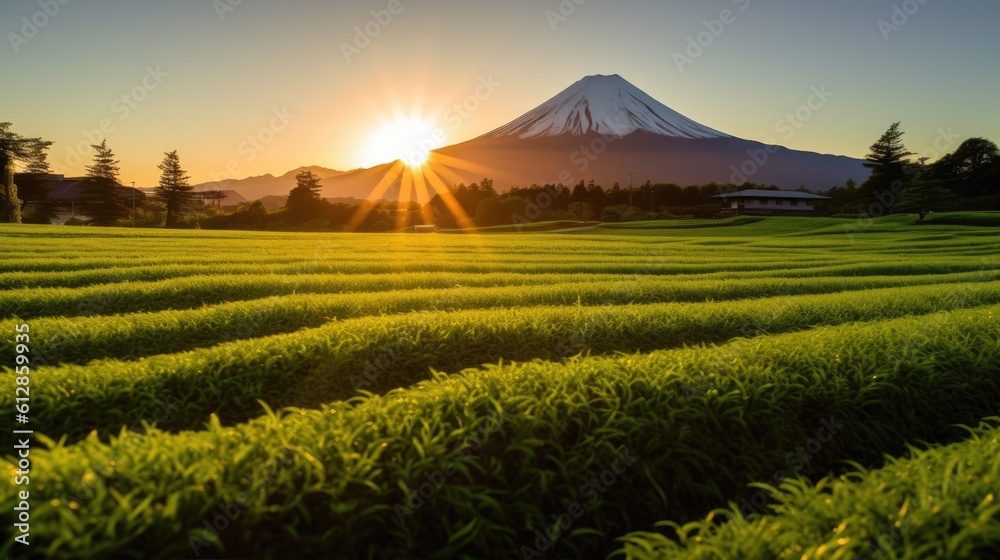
(249, 87)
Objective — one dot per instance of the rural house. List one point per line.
(769, 203)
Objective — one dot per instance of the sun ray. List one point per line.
(446, 167)
(420, 187)
(444, 192)
(405, 190)
(362, 212)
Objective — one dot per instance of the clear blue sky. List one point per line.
(222, 79)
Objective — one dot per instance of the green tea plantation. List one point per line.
(800, 388)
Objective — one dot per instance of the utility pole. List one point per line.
(631, 176)
(133, 203)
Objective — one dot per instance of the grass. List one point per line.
(975, 219)
(75, 339)
(508, 371)
(940, 502)
(702, 422)
(382, 353)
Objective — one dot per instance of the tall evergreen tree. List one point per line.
(10, 205)
(14, 148)
(890, 171)
(102, 189)
(39, 162)
(175, 187)
(37, 206)
(304, 201)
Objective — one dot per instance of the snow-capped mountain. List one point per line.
(605, 129)
(607, 105)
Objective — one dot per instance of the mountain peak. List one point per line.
(605, 104)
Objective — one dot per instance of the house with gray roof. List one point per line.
(769, 203)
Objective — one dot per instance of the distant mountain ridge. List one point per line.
(255, 188)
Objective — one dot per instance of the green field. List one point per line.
(742, 388)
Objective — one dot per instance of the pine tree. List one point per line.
(10, 205)
(14, 148)
(37, 206)
(890, 171)
(175, 187)
(304, 201)
(39, 162)
(926, 195)
(102, 189)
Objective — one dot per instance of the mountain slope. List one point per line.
(607, 105)
(569, 159)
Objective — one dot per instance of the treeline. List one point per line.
(966, 179)
(585, 201)
(475, 205)
(306, 210)
(102, 197)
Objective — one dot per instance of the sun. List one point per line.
(407, 138)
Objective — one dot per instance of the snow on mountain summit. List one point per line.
(608, 105)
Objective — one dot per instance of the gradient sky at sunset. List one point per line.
(211, 76)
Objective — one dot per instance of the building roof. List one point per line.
(65, 189)
(783, 195)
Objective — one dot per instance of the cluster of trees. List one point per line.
(585, 201)
(967, 179)
(306, 210)
(107, 202)
(15, 149)
(103, 197)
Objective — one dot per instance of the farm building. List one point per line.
(66, 194)
(769, 203)
(63, 193)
